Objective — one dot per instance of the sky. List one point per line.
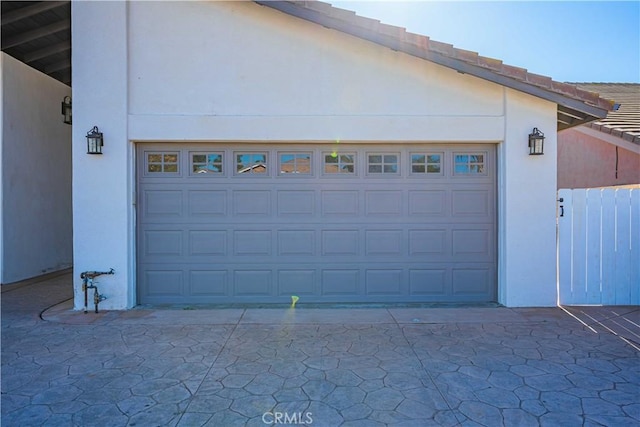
(569, 41)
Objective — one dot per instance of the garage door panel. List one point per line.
(207, 243)
(384, 242)
(164, 282)
(340, 281)
(383, 203)
(297, 242)
(384, 282)
(429, 243)
(406, 237)
(208, 283)
(299, 281)
(471, 281)
(471, 243)
(160, 204)
(252, 242)
(428, 281)
(252, 283)
(207, 203)
(430, 203)
(296, 203)
(340, 242)
(339, 203)
(163, 243)
(251, 203)
(476, 203)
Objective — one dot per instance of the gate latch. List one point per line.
(561, 206)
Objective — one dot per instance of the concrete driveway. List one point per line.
(323, 367)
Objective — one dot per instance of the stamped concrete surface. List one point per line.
(466, 366)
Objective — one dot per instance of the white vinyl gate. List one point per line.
(598, 246)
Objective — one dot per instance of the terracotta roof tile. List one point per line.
(491, 63)
(564, 88)
(391, 30)
(514, 72)
(565, 95)
(323, 7)
(625, 121)
(368, 23)
(588, 96)
(440, 47)
(417, 40)
(466, 55)
(540, 80)
(342, 13)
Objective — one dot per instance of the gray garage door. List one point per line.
(329, 223)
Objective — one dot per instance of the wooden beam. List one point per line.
(29, 11)
(571, 113)
(564, 122)
(36, 34)
(47, 51)
(64, 76)
(57, 66)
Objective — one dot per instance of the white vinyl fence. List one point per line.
(599, 246)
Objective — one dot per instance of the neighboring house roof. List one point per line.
(254, 166)
(301, 166)
(625, 121)
(575, 106)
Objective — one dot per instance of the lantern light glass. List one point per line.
(536, 142)
(94, 141)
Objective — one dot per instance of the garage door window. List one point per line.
(251, 163)
(163, 162)
(339, 163)
(207, 163)
(295, 163)
(383, 164)
(426, 163)
(470, 164)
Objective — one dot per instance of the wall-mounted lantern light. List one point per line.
(536, 142)
(66, 110)
(94, 141)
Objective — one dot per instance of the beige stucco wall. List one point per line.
(35, 224)
(587, 160)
